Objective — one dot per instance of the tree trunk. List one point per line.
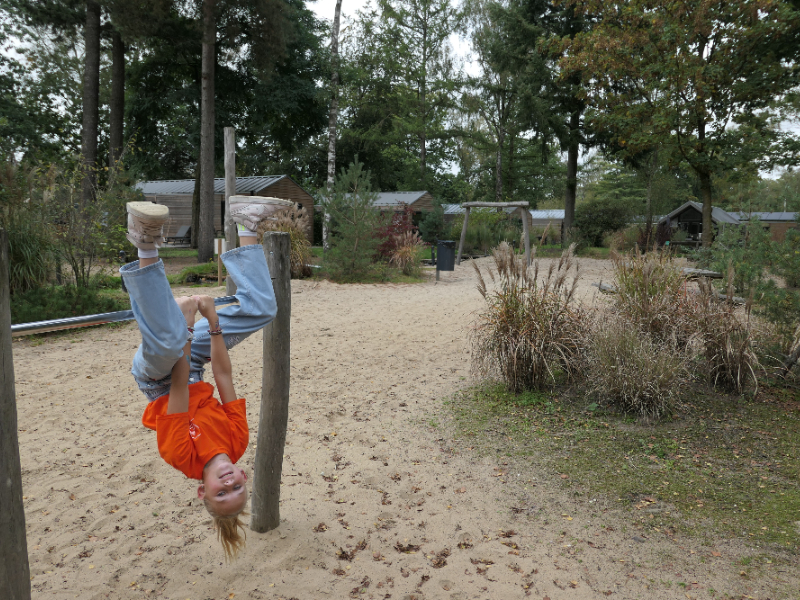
(423, 149)
(195, 228)
(117, 102)
(498, 179)
(705, 193)
(205, 238)
(572, 176)
(91, 94)
(333, 116)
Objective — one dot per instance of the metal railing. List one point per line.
(88, 320)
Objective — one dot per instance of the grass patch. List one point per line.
(723, 467)
(201, 274)
(602, 253)
(177, 252)
(555, 250)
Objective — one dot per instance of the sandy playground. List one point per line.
(369, 458)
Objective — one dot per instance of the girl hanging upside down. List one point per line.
(198, 434)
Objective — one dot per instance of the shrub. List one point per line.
(632, 371)
(406, 255)
(730, 359)
(354, 220)
(394, 228)
(623, 240)
(30, 246)
(596, 218)
(194, 273)
(530, 329)
(651, 295)
(432, 227)
(58, 302)
(296, 223)
(486, 229)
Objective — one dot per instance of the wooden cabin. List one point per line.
(394, 201)
(177, 195)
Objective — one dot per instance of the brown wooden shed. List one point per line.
(177, 195)
(394, 201)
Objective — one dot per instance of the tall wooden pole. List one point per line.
(205, 233)
(229, 226)
(15, 574)
(463, 236)
(265, 506)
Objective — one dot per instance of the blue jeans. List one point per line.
(163, 327)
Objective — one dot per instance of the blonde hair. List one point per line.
(230, 530)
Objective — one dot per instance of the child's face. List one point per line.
(224, 486)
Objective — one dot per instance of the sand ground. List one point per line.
(369, 456)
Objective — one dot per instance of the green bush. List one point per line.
(486, 230)
(59, 302)
(30, 245)
(597, 218)
(194, 273)
(354, 222)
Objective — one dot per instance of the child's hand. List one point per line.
(205, 304)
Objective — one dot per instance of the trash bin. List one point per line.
(445, 255)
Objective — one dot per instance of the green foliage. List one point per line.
(194, 273)
(599, 217)
(353, 243)
(486, 229)
(530, 330)
(31, 256)
(58, 302)
(698, 83)
(432, 226)
(743, 255)
(750, 262)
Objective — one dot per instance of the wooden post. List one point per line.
(463, 236)
(265, 506)
(219, 250)
(526, 234)
(231, 237)
(15, 574)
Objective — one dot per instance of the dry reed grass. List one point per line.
(406, 253)
(530, 329)
(634, 371)
(296, 223)
(727, 340)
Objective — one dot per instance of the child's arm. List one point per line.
(179, 390)
(220, 361)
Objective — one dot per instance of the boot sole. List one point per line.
(148, 210)
(261, 200)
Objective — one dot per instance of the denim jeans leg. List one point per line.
(247, 266)
(161, 323)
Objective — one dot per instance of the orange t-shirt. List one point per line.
(188, 440)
